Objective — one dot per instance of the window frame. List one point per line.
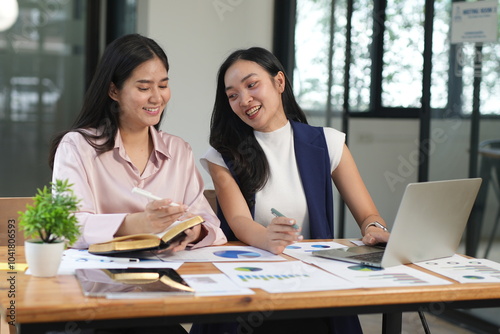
(284, 46)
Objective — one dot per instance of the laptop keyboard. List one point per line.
(369, 257)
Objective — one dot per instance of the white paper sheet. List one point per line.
(82, 259)
(302, 250)
(289, 276)
(465, 270)
(215, 285)
(223, 254)
(370, 277)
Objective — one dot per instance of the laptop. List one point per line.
(429, 224)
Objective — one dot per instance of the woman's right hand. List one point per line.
(281, 233)
(156, 218)
(160, 214)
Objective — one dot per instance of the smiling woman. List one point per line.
(247, 84)
(143, 97)
(115, 145)
(265, 155)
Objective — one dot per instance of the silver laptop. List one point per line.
(429, 224)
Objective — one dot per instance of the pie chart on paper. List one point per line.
(248, 269)
(237, 254)
(364, 268)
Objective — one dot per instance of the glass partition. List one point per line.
(41, 86)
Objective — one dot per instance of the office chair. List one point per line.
(9, 219)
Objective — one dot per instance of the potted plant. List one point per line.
(49, 223)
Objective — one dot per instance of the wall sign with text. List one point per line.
(474, 22)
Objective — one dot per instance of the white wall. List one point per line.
(381, 149)
(197, 36)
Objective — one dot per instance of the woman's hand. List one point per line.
(156, 218)
(375, 235)
(193, 235)
(281, 233)
(159, 215)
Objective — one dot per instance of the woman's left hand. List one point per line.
(375, 235)
(192, 236)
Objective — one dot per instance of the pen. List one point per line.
(120, 260)
(279, 214)
(147, 194)
(85, 257)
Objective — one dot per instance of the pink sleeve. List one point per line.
(97, 228)
(70, 163)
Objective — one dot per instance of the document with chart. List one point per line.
(465, 270)
(223, 254)
(289, 276)
(374, 277)
(303, 250)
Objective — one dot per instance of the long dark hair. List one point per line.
(99, 111)
(233, 138)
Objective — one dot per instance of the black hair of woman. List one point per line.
(120, 58)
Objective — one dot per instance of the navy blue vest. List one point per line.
(313, 161)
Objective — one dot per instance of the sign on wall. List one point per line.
(474, 22)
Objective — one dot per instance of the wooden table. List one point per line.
(58, 304)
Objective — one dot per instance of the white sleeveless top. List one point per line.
(283, 191)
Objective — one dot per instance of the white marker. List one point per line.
(150, 195)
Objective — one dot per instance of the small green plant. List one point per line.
(51, 217)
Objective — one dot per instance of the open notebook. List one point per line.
(429, 224)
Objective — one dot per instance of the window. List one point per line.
(40, 90)
(42, 87)
(385, 42)
(402, 57)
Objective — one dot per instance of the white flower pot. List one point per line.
(43, 259)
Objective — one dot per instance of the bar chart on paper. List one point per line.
(371, 277)
(397, 278)
(250, 274)
(290, 276)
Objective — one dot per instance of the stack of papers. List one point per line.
(246, 267)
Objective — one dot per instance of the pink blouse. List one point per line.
(104, 182)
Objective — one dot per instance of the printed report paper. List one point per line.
(371, 277)
(223, 254)
(289, 276)
(215, 285)
(302, 250)
(465, 270)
